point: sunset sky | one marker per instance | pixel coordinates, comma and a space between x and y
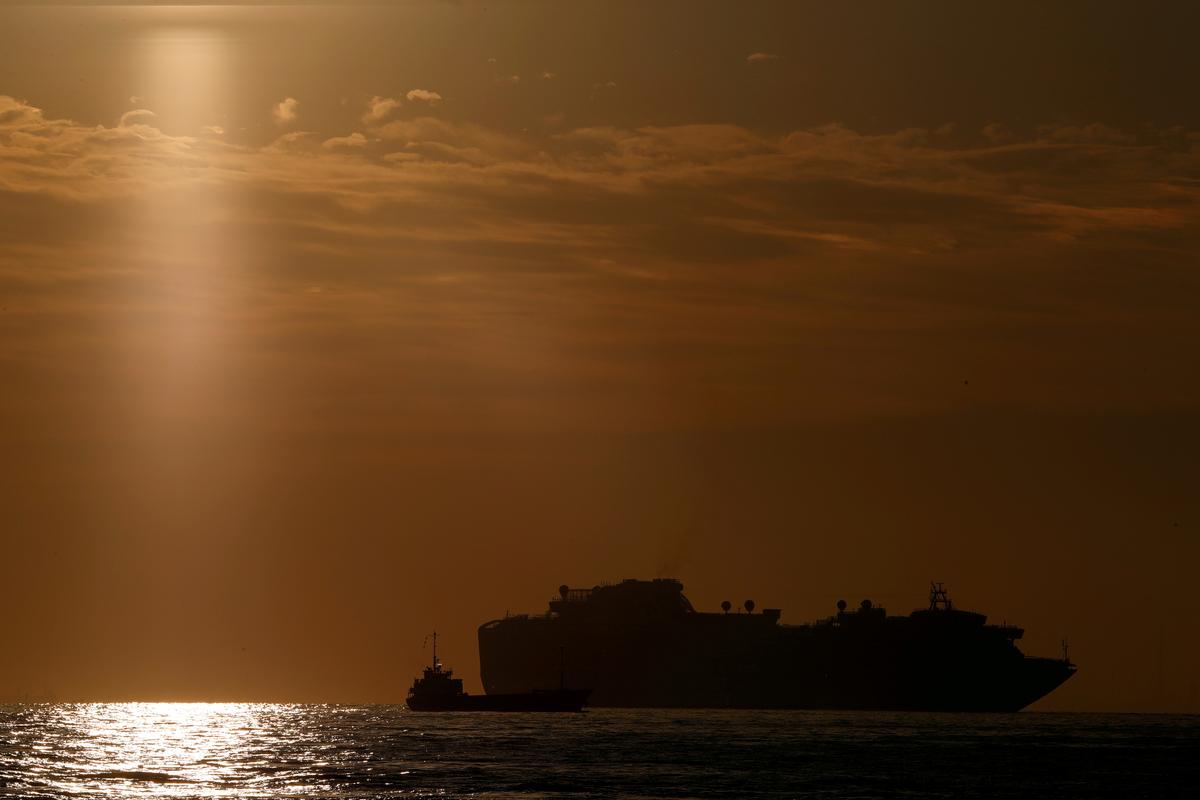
324, 325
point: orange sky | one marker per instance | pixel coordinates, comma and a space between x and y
321, 326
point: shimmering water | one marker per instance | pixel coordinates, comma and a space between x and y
252, 751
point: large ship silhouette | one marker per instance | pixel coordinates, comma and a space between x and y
641, 644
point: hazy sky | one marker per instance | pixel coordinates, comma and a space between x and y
323, 326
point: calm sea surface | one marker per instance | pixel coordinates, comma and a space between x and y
236, 750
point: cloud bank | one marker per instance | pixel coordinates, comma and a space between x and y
908, 231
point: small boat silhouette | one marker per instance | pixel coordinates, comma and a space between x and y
438, 690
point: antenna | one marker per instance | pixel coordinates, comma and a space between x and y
1066, 651
938, 598
435, 661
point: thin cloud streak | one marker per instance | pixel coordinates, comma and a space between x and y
423, 96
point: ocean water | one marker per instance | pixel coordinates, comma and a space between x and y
258, 751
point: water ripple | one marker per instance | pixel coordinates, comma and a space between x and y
166, 750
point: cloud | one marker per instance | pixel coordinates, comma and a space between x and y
135, 100
757, 58
1095, 132
510, 80
66, 160
354, 141
424, 96
215, 130
548, 75
16, 114
671, 193
297, 142
378, 108
138, 116
440, 140
284, 111
761, 242
996, 133
601, 88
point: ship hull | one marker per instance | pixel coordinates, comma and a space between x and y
565, 700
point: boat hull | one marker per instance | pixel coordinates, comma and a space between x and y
565, 700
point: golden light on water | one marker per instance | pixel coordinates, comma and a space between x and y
166, 743
173, 750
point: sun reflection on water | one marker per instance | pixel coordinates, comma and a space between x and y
168, 750
166, 743
367, 752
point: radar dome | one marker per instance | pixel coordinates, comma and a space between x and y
749, 606
841, 604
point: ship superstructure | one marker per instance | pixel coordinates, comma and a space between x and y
641, 644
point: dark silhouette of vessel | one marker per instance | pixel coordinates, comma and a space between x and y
641, 644
438, 690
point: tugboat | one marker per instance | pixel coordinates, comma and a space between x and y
438, 690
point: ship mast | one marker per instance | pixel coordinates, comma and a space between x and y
938, 598
435, 663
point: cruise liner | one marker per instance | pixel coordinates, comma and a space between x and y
640, 643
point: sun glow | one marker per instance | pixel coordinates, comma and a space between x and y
185, 74
183, 268
186, 249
